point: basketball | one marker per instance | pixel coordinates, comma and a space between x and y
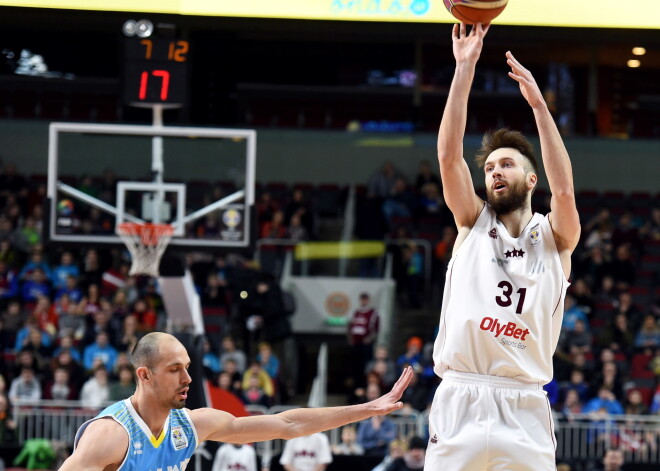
475, 11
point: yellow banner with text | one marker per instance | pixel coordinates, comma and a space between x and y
568, 13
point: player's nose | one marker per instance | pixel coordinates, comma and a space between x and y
187, 379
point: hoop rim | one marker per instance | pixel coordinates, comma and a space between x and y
131, 228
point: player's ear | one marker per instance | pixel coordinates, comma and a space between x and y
532, 179
143, 373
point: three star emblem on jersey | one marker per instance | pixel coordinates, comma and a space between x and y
514, 253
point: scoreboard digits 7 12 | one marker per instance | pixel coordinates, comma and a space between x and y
156, 71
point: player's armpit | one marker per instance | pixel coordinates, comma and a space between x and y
102, 446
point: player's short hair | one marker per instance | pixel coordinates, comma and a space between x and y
505, 137
145, 352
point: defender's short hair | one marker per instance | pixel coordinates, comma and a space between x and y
145, 352
505, 137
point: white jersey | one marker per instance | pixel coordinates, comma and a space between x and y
503, 302
235, 458
307, 453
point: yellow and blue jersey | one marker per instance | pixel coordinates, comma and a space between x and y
171, 451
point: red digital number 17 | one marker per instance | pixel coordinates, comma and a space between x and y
164, 86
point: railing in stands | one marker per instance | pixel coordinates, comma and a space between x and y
52, 420
580, 437
587, 436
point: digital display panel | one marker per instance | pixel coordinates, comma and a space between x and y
155, 70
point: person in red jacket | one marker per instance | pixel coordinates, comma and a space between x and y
362, 332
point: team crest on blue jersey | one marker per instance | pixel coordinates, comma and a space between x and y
179, 439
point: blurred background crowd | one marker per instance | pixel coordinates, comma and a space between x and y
69, 317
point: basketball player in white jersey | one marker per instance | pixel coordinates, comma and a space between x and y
505, 286
152, 431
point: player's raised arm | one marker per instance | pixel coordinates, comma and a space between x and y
104, 444
564, 216
212, 424
456, 179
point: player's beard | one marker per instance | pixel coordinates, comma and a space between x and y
171, 403
514, 199
177, 404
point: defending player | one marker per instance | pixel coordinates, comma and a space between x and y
505, 287
152, 430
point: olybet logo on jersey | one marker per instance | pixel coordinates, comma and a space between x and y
510, 329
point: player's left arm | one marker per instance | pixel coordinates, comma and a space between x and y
564, 216
213, 424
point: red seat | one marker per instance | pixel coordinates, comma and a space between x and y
640, 366
215, 319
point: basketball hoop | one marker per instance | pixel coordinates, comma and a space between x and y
146, 243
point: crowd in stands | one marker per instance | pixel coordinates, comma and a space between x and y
70, 317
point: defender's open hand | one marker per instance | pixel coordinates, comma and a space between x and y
389, 402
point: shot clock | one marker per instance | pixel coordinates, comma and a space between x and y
156, 71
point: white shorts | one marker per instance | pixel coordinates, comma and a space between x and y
489, 423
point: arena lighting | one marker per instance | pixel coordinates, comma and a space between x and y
141, 28
144, 28
130, 28
639, 51
634, 63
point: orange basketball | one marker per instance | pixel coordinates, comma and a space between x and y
475, 11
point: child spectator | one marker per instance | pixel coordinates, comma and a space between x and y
36, 285
413, 459
96, 391
648, 334
349, 444
413, 355
25, 387
253, 393
572, 403
269, 362
397, 449
635, 403
311, 452
100, 350
61, 388
124, 387
229, 351
65, 270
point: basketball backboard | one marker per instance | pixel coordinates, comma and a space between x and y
200, 180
